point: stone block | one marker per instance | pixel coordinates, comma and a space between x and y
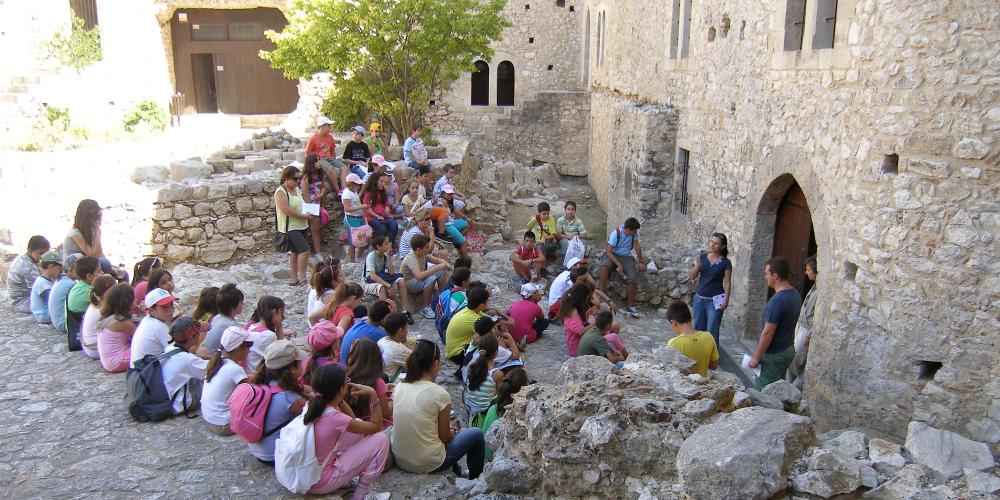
252, 186
222, 166
257, 144
245, 243
243, 205
433, 153
829, 474
969, 148
241, 169
394, 153
173, 192
909, 481
261, 202
886, 457
257, 163
274, 155
507, 475
190, 222
234, 155
218, 190
163, 214
150, 173
945, 452
199, 192
747, 454
178, 253
270, 142
228, 224
982, 482
700, 409
851, 444
218, 249
583, 368
236, 189
189, 169
195, 234
251, 223
202, 208
182, 212
221, 208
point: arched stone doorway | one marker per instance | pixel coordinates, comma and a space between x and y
783, 227
505, 84
480, 95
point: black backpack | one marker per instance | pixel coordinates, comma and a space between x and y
146, 395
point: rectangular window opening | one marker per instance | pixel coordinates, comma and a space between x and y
208, 32
850, 271
826, 24
549, 68
890, 164
795, 23
531, 39
247, 32
927, 369
675, 28
686, 41
561, 3
683, 167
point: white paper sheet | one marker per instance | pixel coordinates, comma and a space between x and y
746, 365
310, 208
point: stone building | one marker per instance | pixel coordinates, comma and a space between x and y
864, 132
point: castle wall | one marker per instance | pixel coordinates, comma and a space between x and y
907, 259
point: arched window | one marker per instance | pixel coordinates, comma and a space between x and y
505, 84
481, 84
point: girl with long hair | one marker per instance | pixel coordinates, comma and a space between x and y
364, 366
161, 278
280, 371
574, 312
267, 320
423, 438
512, 383
483, 378
355, 447
88, 327
324, 340
340, 310
228, 305
325, 279
206, 308
715, 278
140, 273
115, 328
382, 218
222, 375
85, 237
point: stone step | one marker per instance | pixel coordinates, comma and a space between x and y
15, 89
25, 80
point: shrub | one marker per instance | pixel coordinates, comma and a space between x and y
55, 128
427, 135
147, 115
344, 109
77, 49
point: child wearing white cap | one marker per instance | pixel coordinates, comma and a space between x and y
529, 320
222, 375
152, 335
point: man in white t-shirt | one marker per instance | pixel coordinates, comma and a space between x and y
184, 373
152, 335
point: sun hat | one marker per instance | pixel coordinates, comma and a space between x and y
354, 179
158, 297
448, 188
234, 336
281, 353
359, 129
323, 121
324, 334
380, 161
529, 289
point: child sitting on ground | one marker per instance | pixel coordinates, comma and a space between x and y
88, 327
512, 383
482, 378
222, 375
529, 321
609, 329
569, 226
381, 278
206, 309
528, 257
394, 346
51, 271
593, 343
699, 346
544, 226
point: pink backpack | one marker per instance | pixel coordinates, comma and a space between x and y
248, 411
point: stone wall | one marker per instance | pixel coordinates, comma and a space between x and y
907, 317
543, 44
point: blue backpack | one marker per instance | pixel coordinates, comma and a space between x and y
442, 310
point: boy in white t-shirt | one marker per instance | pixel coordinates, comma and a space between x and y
184, 373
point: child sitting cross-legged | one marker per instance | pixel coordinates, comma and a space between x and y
528, 257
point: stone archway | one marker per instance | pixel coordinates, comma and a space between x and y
783, 225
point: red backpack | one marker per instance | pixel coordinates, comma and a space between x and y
248, 411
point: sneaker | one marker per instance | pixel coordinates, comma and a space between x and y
632, 311
427, 312
408, 316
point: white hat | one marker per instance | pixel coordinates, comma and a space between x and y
234, 336
574, 261
529, 289
323, 121
158, 297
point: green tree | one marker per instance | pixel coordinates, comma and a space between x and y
78, 48
389, 55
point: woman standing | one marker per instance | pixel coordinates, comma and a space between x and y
715, 277
313, 191
803, 329
382, 218
293, 223
423, 438
85, 237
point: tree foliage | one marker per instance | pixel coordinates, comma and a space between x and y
389, 55
77, 49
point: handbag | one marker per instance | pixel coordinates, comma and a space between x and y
360, 235
324, 216
281, 242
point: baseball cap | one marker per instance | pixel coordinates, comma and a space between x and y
354, 179
359, 129
375, 127
484, 325
182, 324
51, 257
70, 261
574, 261
448, 188
323, 121
281, 353
158, 297
380, 161
529, 289
235, 336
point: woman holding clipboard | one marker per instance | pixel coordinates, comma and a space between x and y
715, 277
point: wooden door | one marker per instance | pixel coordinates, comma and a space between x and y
203, 78
794, 238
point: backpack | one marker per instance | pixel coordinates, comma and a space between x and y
295, 462
442, 310
146, 397
248, 412
618, 237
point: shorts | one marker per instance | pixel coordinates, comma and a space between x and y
628, 264
298, 241
418, 286
372, 288
331, 163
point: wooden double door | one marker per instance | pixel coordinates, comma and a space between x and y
794, 236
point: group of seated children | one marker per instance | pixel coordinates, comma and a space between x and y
547, 238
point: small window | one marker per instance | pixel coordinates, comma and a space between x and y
686, 42
527, 6
890, 164
531, 39
683, 167
561, 3
549, 68
208, 32
795, 22
480, 84
572, 9
826, 24
246, 32
850, 271
675, 28
86, 10
927, 369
